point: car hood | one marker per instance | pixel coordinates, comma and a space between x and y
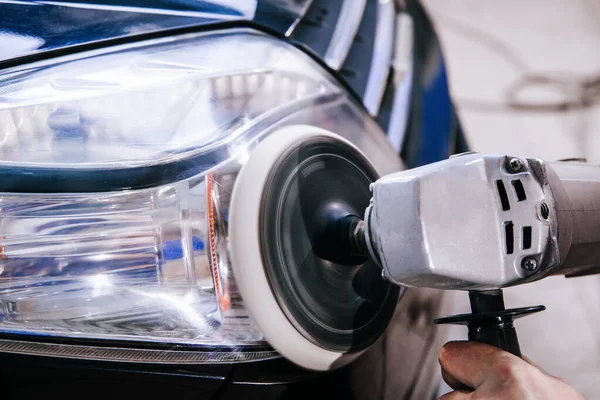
30, 27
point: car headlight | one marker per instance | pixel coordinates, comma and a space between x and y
116, 172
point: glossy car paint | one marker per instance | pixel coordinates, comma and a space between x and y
30, 28
401, 364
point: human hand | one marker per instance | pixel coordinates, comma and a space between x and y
479, 371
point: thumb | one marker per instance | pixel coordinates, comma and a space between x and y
457, 395
470, 363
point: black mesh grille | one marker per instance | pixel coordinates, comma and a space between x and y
316, 27
356, 68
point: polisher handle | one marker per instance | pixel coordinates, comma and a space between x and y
501, 334
490, 322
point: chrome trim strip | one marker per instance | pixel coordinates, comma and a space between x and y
382, 56
301, 14
345, 30
402, 64
154, 356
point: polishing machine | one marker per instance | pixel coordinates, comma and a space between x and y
333, 246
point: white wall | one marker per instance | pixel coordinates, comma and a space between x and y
489, 46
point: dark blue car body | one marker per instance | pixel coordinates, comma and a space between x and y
402, 363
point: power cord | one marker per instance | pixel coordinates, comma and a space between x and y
576, 92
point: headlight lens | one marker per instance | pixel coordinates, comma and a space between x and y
116, 171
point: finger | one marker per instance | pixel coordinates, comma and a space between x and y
533, 363
453, 382
471, 362
457, 395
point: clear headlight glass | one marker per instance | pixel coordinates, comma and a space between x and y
116, 170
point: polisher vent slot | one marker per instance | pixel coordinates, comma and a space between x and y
519, 190
503, 195
526, 238
509, 236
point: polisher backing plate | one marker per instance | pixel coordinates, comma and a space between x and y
317, 313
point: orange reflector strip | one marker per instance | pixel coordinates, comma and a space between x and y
223, 296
